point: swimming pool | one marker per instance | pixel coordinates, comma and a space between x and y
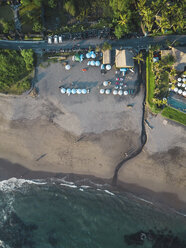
178, 104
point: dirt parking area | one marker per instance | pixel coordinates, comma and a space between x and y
93, 112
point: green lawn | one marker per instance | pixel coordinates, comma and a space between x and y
150, 85
174, 115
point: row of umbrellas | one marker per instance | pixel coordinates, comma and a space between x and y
114, 92
181, 85
182, 79
94, 63
180, 91
74, 91
91, 55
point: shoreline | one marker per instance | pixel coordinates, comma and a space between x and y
162, 199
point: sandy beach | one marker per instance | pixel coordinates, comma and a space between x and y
89, 135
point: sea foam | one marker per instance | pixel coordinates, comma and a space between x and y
14, 183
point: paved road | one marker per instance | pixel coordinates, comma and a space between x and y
137, 43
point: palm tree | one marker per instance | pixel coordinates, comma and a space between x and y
123, 20
139, 58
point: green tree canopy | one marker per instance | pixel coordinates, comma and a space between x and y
12, 69
28, 56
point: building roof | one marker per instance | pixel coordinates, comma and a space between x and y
124, 58
180, 55
106, 57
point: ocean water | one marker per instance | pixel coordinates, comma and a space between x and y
60, 214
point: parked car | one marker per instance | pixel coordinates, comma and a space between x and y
60, 39
49, 40
55, 39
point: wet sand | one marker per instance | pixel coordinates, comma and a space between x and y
162, 199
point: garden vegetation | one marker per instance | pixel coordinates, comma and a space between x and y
15, 69
124, 16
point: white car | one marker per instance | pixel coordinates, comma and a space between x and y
49, 40
60, 39
55, 39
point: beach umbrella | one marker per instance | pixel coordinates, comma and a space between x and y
120, 92
183, 85
179, 84
180, 91
175, 89
125, 92
84, 91
179, 79
184, 93
108, 67
93, 55
98, 63
74, 91
115, 92
102, 91
92, 63
88, 63
63, 90
184, 79
88, 55
79, 91
68, 91
107, 91
105, 83
67, 67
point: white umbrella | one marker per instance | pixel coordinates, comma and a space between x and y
92, 63
107, 91
120, 92
185, 88
184, 79
74, 91
179, 84
180, 91
184, 93
88, 63
108, 67
175, 89
84, 91
179, 79
79, 91
102, 91
105, 83
115, 92
63, 90
67, 67
69, 91
98, 63
88, 55
125, 92
183, 85
93, 55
